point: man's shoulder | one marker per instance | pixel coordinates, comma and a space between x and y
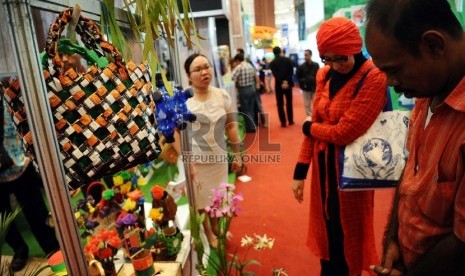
302, 66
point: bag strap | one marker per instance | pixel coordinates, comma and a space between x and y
360, 82
388, 105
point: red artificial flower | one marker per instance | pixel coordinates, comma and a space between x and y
104, 253
114, 242
103, 235
157, 192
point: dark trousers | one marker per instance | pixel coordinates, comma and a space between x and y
259, 114
27, 190
280, 94
337, 264
247, 105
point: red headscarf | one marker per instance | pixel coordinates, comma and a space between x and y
339, 35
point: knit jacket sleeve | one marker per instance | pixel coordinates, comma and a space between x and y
306, 149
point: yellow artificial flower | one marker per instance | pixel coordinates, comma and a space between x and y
156, 214
141, 181
129, 205
118, 180
126, 187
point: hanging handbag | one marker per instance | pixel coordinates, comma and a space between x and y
377, 158
103, 117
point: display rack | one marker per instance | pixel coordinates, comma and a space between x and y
22, 59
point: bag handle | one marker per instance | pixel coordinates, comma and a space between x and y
90, 36
388, 105
360, 82
65, 45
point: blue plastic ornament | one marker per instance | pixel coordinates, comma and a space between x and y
171, 112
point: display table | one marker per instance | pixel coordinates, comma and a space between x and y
166, 268
163, 269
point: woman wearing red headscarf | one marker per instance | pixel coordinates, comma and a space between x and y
341, 223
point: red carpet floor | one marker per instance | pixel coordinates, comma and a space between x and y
269, 206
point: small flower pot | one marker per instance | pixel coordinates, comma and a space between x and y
108, 266
142, 262
159, 252
173, 239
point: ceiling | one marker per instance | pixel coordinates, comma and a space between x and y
284, 12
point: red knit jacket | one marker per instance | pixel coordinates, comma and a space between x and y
340, 121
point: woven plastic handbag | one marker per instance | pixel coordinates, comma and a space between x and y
103, 117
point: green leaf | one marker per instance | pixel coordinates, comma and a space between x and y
251, 262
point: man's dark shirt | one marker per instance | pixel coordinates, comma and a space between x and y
282, 70
306, 76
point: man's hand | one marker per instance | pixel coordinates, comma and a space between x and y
381, 271
390, 259
298, 189
285, 85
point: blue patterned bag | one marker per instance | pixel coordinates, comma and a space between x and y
377, 158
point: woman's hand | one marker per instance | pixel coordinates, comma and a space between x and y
236, 165
298, 189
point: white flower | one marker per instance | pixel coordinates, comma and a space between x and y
246, 241
270, 243
263, 242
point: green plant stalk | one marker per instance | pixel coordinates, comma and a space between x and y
158, 19
223, 227
196, 221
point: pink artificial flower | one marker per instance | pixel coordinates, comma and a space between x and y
227, 186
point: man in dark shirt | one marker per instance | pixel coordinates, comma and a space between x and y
282, 70
306, 76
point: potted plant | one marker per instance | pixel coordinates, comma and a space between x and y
6, 219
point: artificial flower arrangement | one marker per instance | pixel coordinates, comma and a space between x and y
164, 207
121, 210
103, 246
165, 241
92, 215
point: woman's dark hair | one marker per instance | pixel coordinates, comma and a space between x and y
407, 20
190, 59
